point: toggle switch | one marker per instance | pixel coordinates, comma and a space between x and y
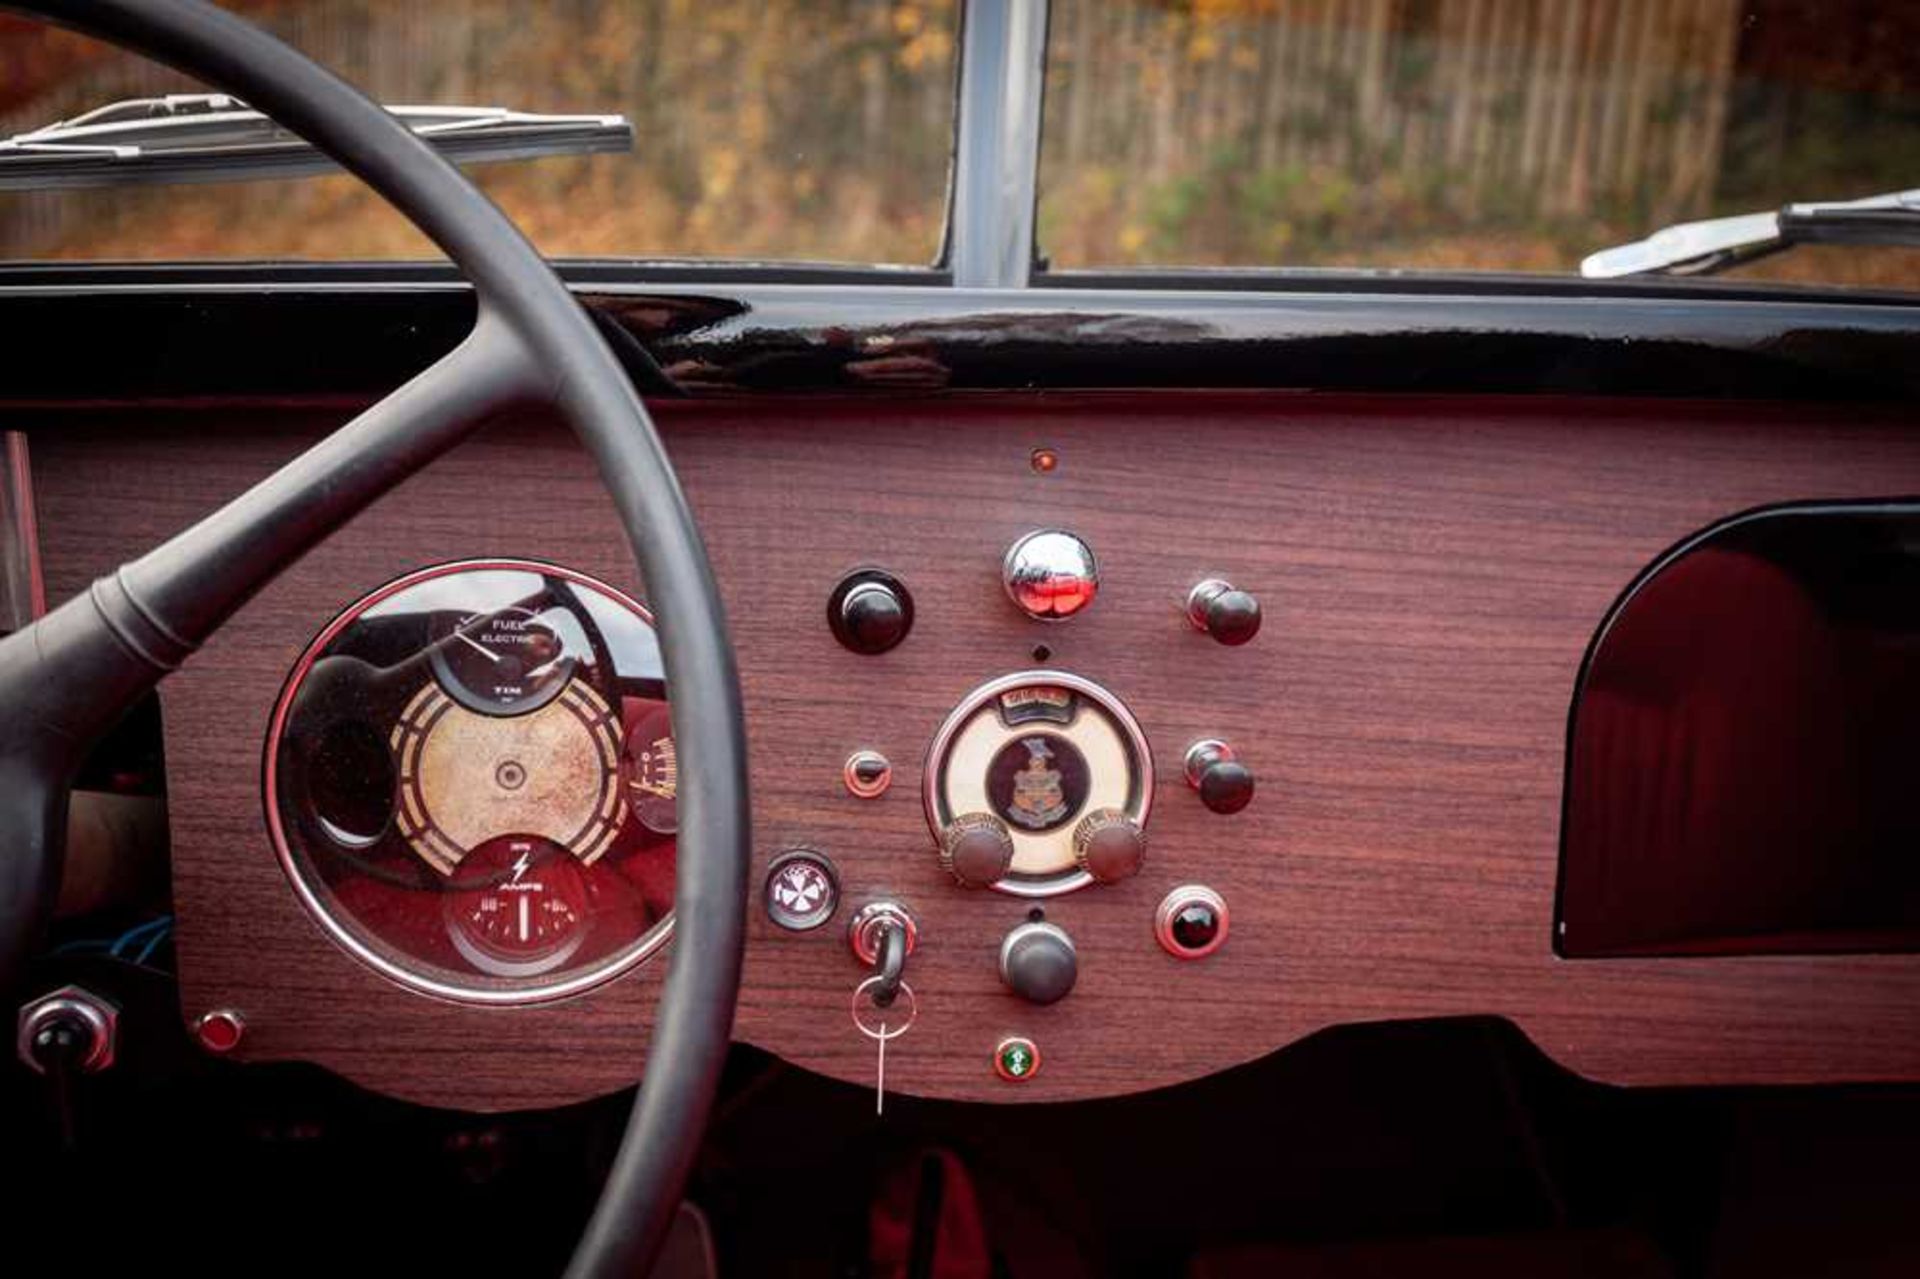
1225, 784
1231, 616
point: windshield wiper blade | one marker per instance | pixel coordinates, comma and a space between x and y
1702, 248
213, 137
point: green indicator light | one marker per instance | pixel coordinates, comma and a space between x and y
1016, 1059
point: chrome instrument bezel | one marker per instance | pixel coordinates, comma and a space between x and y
322, 912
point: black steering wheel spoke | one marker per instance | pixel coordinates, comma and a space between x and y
194, 582
67, 679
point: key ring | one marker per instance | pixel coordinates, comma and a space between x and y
884, 1033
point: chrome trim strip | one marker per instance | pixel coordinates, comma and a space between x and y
996, 153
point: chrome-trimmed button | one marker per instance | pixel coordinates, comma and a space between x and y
1050, 574
1172, 933
802, 889
1219, 609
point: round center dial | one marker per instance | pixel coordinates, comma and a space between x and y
1034, 758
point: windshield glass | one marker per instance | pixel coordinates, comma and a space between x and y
1483, 135
763, 130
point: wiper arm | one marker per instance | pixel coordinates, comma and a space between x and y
1702, 248
212, 137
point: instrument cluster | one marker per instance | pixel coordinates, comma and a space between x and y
470, 781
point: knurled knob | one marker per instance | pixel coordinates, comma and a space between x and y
976, 849
1109, 845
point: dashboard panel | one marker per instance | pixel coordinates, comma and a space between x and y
1430, 572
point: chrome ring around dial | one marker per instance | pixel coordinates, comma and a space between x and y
1038, 749
463, 843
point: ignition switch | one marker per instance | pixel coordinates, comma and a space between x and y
882, 935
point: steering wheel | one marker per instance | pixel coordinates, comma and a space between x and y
67, 679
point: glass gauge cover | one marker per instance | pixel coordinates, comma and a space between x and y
470, 781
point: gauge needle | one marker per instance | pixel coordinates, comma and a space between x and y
478, 647
523, 917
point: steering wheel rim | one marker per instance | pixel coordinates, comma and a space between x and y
68, 678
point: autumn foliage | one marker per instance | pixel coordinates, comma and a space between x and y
1464, 134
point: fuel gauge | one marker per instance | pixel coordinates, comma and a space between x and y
506, 662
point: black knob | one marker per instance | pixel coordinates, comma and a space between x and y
1230, 616
977, 850
1226, 786
1224, 783
1109, 845
60, 1043
1038, 964
870, 611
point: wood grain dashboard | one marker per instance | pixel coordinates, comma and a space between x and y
1432, 570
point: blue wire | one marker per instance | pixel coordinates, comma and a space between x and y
147, 937
153, 944
135, 935
129, 938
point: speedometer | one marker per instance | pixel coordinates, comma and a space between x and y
470, 781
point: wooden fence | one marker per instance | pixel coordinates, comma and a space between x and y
1543, 106
779, 127
795, 127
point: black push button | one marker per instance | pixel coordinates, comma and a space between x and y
870, 611
1226, 786
1037, 961
1230, 616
